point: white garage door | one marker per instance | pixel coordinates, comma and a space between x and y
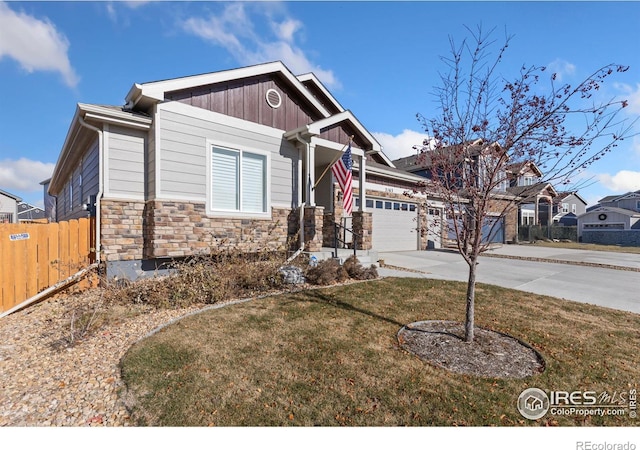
394, 225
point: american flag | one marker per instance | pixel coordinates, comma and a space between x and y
342, 171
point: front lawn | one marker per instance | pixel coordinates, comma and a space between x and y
330, 357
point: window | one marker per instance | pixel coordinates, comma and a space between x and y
387, 205
573, 208
81, 196
638, 205
71, 194
378, 204
238, 181
565, 207
369, 203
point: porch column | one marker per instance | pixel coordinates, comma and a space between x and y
535, 212
361, 183
311, 174
550, 219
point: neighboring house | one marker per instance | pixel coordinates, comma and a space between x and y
500, 230
230, 159
536, 196
9, 207
567, 206
615, 220
27, 212
49, 202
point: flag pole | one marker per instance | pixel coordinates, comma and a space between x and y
334, 161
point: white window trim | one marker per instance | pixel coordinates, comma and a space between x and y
237, 214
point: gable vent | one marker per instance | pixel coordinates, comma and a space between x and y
273, 98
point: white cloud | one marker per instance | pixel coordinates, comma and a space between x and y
621, 182
561, 68
234, 30
632, 95
35, 44
285, 30
401, 145
23, 174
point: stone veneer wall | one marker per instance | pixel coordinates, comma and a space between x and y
122, 230
178, 229
132, 230
313, 228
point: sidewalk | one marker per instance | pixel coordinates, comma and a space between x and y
611, 260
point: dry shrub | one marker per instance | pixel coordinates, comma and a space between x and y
204, 280
330, 271
357, 271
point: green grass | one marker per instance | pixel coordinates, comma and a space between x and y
330, 357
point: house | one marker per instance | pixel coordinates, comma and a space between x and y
615, 220
9, 207
27, 212
537, 197
567, 206
230, 159
500, 225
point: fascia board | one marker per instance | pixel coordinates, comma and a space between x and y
97, 112
312, 77
64, 153
391, 174
315, 127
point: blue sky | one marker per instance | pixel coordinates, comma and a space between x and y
379, 59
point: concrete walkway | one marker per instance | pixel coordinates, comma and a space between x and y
532, 269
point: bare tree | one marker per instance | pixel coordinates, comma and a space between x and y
486, 123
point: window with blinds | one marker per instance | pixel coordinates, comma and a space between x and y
238, 181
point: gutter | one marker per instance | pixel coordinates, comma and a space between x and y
100, 181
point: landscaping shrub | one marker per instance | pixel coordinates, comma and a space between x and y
330, 271
357, 271
204, 280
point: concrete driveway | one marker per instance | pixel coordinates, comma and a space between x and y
612, 288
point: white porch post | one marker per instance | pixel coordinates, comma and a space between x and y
535, 212
361, 183
311, 174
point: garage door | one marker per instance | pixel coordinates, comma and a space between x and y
493, 230
394, 225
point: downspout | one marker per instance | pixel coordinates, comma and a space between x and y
100, 181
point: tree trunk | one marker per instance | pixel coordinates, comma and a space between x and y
469, 323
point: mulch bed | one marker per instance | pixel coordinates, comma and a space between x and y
491, 354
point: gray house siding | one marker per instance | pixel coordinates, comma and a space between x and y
66, 209
183, 159
126, 162
8, 209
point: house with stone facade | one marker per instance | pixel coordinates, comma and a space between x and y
230, 159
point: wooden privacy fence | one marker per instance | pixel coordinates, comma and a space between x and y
34, 257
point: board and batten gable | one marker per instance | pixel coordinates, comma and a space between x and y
182, 141
246, 99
